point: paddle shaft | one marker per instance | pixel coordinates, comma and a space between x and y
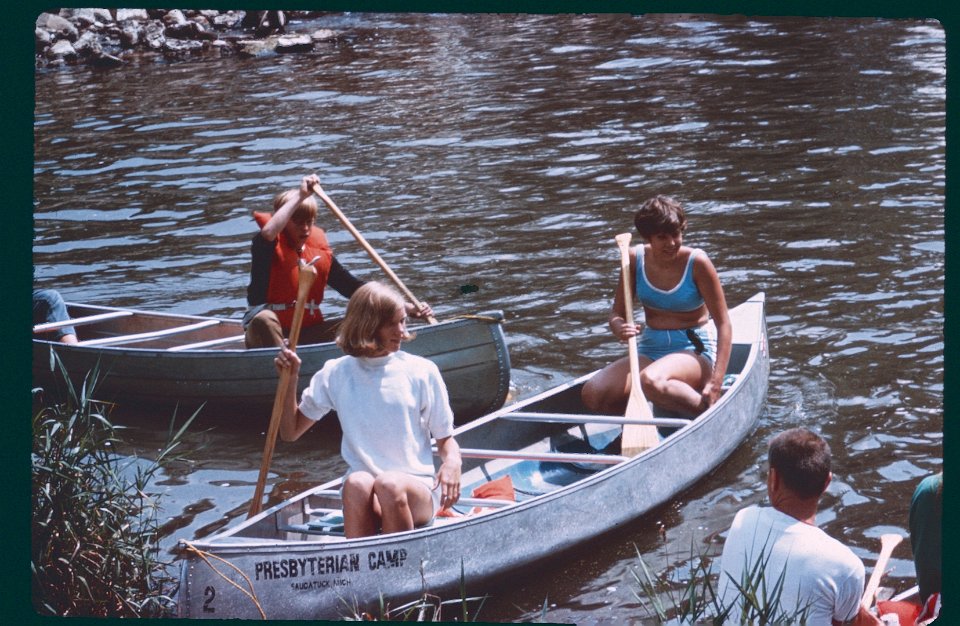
623, 241
635, 437
887, 543
366, 246
306, 277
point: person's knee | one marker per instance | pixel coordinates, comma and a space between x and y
591, 396
653, 382
391, 490
264, 331
358, 485
358, 480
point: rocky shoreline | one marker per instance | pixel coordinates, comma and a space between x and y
111, 37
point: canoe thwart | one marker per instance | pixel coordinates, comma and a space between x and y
569, 418
333, 493
157, 334
80, 321
550, 457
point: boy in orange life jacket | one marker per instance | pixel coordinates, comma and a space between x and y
286, 236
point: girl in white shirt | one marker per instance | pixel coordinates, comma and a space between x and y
390, 403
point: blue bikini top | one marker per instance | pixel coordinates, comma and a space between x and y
683, 297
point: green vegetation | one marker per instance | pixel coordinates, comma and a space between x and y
94, 549
695, 601
427, 608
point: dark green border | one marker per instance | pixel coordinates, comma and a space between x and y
17, 67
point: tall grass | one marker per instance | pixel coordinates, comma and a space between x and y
94, 543
427, 608
695, 600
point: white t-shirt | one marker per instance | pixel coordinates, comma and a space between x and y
818, 569
388, 407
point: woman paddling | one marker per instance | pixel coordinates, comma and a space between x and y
685, 344
389, 403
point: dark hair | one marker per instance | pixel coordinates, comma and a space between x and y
802, 460
370, 307
658, 215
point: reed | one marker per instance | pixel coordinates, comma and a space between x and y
94, 529
694, 600
427, 608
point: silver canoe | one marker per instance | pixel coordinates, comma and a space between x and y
152, 360
292, 562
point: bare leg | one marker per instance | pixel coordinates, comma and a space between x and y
674, 382
361, 512
607, 392
405, 502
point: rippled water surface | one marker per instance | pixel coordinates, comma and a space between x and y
506, 152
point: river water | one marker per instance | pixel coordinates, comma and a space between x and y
505, 152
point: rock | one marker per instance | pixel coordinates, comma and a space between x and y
63, 49
175, 18
230, 19
294, 43
42, 39
221, 46
256, 47
136, 15
188, 30
88, 45
153, 35
59, 26
179, 47
82, 18
131, 34
105, 16
324, 34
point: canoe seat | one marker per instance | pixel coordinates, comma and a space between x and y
487, 496
327, 524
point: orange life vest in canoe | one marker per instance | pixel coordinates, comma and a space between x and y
284, 275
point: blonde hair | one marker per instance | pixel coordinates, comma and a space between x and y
307, 209
370, 307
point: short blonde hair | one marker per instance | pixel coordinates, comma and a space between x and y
307, 209
370, 307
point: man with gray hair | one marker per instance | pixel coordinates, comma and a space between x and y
777, 553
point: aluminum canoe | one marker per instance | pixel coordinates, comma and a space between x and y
569, 485
152, 360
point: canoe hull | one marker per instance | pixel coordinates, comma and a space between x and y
311, 579
470, 352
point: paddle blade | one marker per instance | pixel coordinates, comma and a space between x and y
636, 437
888, 542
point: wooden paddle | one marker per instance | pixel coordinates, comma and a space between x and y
305, 279
636, 437
887, 543
366, 246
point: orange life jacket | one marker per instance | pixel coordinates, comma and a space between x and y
284, 275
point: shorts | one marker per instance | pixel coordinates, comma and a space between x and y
655, 344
